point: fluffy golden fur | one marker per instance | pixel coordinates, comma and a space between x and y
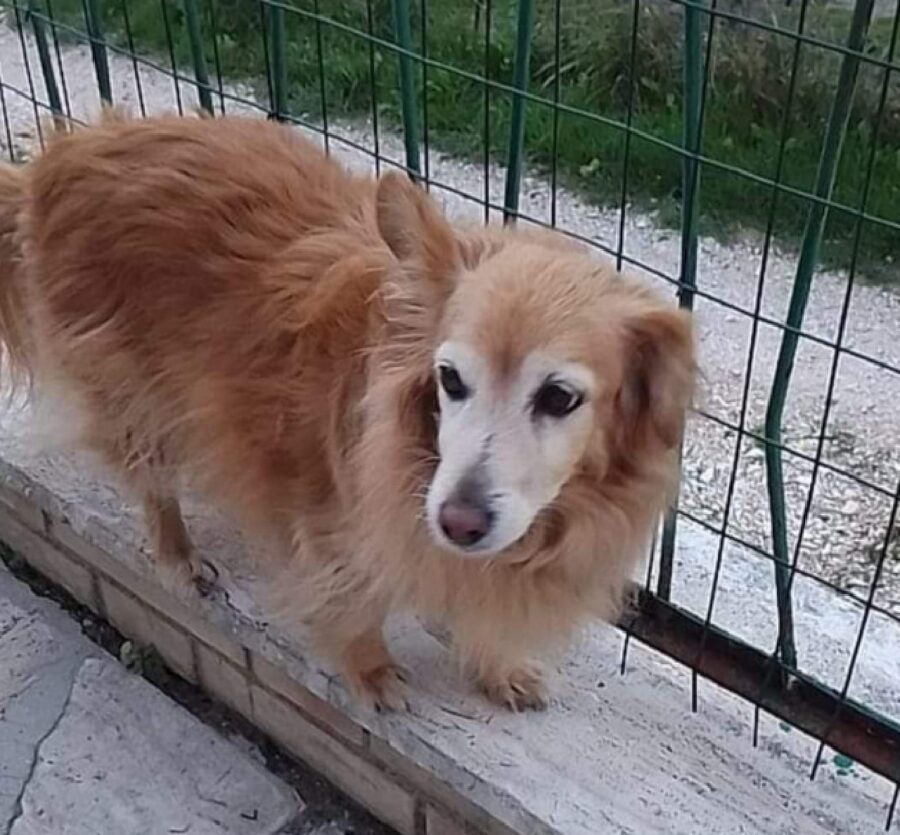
232, 310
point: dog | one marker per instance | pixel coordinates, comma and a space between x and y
478, 425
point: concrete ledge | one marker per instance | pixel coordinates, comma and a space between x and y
612, 754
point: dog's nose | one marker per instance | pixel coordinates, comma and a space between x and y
463, 523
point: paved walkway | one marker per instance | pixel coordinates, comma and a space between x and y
87, 748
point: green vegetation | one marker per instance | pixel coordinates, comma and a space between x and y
748, 88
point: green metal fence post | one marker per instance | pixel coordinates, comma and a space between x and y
690, 174
323, 86
195, 38
690, 186
32, 96
809, 253
98, 49
43, 49
277, 62
517, 118
410, 108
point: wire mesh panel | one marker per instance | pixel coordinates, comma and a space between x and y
744, 154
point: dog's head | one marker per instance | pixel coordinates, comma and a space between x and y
547, 367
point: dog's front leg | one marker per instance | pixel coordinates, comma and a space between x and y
351, 637
518, 687
371, 673
324, 600
503, 675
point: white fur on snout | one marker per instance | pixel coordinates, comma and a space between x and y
520, 463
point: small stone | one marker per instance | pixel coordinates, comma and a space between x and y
127, 653
850, 507
842, 761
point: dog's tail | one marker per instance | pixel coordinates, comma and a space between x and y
14, 331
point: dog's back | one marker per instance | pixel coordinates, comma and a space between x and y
199, 288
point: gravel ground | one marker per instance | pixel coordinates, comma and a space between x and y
847, 521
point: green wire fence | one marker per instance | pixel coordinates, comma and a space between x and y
778, 120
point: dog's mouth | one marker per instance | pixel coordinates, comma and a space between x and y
472, 552
517, 552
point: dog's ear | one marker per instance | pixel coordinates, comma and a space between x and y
429, 258
415, 231
659, 375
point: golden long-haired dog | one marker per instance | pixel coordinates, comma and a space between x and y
477, 425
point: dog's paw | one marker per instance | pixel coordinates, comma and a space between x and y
204, 577
382, 688
522, 688
190, 578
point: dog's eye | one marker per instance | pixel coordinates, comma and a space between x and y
452, 383
554, 400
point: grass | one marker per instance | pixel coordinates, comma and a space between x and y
747, 93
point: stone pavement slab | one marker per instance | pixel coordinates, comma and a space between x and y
41, 650
87, 748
